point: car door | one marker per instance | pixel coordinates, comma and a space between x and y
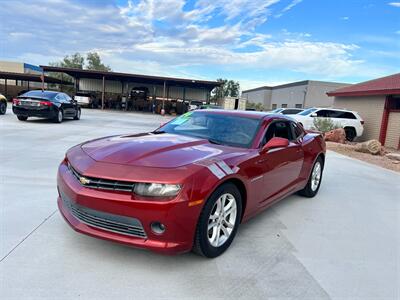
282, 166
67, 105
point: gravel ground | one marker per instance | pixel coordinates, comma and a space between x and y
378, 160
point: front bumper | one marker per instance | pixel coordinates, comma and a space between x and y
179, 219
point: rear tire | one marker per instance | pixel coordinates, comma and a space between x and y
314, 181
3, 108
350, 133
59, 117
218, 221
22, 118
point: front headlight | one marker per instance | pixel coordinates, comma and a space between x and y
156, 189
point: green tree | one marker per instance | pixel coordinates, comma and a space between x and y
75, 61
93, 62
228, 88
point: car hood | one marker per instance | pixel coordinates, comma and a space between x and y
156, 150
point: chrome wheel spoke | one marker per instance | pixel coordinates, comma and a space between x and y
222, 220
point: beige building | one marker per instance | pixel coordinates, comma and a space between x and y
302, 94
378, 103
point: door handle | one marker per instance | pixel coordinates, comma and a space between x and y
262, 160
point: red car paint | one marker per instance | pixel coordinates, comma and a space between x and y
262, 177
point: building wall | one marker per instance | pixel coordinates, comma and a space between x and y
262, 96
370, 109
305, 93
11, 66
393, 130
316, 93
289, 96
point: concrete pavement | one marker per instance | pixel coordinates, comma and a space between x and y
342, 244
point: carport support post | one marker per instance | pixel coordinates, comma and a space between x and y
165, 86
102, 92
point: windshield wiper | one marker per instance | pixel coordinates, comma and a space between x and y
216, 142
158, 132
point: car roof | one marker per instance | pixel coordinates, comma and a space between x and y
246, 114
333, 108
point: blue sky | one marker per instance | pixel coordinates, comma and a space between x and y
255, 42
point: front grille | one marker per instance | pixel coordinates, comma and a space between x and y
99, 183
103, 220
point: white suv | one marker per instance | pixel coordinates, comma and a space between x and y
349, 120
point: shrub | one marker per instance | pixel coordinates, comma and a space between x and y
325, 124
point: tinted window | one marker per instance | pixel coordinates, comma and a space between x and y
298, 105
218, 128
297, 131
322, 113
68, 98
307, 111
277, 129
284, 105
342, 114
40, 94
290, 111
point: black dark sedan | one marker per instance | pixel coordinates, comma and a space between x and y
46, 104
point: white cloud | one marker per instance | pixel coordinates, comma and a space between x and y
395, 4
291, 5
163, 37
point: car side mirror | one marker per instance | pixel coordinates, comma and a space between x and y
314, 115
274, 143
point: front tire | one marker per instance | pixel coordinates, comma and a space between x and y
218, 221
59, 117
22, 118
3, 108
77, 114
350, 133
314, 181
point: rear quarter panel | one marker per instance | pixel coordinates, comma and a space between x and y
313, 146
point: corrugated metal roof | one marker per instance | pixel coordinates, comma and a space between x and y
31, 77
79, 73
382, 86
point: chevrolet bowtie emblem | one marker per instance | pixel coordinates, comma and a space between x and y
84, 180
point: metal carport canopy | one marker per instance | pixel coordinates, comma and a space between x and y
126, 77
32, 77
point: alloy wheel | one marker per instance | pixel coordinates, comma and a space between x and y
222, 220
316, 176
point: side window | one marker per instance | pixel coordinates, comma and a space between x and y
290, 111
334, 114
60, 98
297, 131
277, 129
349, 115
322, 113
68, 98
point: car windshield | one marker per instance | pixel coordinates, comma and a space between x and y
307, 112
221, 129
278, 110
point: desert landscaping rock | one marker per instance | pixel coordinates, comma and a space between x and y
394, 156
337, 136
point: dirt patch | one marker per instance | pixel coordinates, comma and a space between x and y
348, 150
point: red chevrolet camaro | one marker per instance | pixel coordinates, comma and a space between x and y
190, 183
